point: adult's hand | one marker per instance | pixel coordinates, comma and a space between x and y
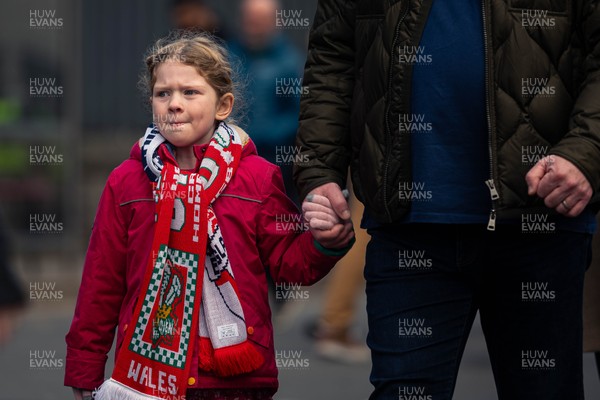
326, 227
335, 238
341, 232
561, 184
334, 193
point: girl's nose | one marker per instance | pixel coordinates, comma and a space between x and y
175, 102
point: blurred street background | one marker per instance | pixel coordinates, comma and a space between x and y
70, 110
43, 327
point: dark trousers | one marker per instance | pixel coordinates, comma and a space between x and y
425, 283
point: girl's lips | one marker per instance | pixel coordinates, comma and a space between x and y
175, 125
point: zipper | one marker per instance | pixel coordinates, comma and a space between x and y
492, 221
387, 114
495, 196
490, 182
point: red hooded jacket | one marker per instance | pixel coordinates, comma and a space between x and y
250, 213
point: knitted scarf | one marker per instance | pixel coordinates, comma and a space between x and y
175, 307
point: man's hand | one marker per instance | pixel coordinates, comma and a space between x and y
561, 184
324, 224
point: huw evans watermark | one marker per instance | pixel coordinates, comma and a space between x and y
414, 328
530, 155
413, 260
537, 292
290, 222
290, 292
45, 87
45, 223
414, 191
414, 123
537, 223
163, 58
288, 155
414, 55
413, 393
45, 359
537, 360
539, 19
44, 19
291, 359
291, 19
44, 291
166, 388
532, 87
44, 155
290, 87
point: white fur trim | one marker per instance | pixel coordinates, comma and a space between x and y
113, 390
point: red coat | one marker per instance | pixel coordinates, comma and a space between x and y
250, 213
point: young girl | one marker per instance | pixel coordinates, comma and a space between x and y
185, 232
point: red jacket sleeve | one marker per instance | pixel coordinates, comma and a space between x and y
289, 252
100, 296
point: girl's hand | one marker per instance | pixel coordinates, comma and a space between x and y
324, 224
82, 394
318, 212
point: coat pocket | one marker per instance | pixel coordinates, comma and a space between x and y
258, 330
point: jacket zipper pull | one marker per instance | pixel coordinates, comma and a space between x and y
495, 196
492, 221
492, 187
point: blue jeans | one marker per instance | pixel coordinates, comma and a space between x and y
425, 283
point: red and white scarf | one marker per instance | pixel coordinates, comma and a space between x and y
175, 306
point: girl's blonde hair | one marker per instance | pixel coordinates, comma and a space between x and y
199, 50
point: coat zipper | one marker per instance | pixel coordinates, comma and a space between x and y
491, 226
387, 114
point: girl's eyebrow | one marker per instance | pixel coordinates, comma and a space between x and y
185, 85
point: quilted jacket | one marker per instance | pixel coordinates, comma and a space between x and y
542, 89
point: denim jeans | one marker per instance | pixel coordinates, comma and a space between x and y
426, 282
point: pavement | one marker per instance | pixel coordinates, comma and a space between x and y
32, 363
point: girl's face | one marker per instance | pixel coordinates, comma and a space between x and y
184, 106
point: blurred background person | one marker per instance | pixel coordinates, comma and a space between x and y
197, 16
345, 289
591, 303
11, 294
266, 58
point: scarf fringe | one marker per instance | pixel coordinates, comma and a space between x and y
206, 355
113, 390
237, 359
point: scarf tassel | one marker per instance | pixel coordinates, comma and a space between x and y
237, 359
113, 390
206, 356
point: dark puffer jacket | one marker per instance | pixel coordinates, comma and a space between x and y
542, 89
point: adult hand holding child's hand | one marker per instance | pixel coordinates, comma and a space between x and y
326, 227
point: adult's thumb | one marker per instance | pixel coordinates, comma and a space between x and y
338, 202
